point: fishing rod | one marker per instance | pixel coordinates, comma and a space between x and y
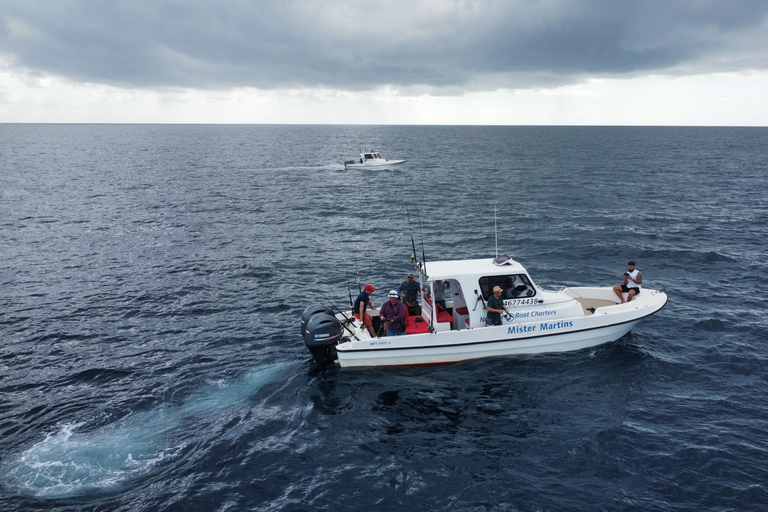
347, 321
380, 330
423, 256
426, 276
414, 259
334, 306
357, 271
349, 289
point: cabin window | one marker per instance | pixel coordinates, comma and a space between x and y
368, 156
513, 286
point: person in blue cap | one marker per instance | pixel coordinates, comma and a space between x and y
409, 292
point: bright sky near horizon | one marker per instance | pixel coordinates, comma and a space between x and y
513, 62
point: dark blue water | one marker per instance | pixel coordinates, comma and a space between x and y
152, 279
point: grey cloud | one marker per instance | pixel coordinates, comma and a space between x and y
451, 45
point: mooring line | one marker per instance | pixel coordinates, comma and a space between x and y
525, 373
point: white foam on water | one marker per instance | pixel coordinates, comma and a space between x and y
69, 462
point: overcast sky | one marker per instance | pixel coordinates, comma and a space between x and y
613, 62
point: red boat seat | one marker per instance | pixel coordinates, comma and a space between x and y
442, 315
415, 324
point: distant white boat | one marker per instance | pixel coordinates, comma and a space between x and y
369, 160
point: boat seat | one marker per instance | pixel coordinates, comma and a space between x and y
461, 316
443, 316
415, 324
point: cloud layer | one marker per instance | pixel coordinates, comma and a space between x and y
444, 47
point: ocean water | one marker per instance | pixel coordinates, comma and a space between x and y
152, 279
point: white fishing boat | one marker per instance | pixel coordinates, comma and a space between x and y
538, 321
370, 159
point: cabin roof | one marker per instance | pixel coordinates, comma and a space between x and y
482, 267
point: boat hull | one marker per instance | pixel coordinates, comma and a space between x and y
476, 350
514, 338
374, 164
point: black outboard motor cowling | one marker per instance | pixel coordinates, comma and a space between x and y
323, 332
311, 311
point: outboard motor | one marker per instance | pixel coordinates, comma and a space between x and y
323, 332
311, 311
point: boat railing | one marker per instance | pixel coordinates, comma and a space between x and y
551, 288
570, 292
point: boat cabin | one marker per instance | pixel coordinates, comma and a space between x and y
469, 285
364, 157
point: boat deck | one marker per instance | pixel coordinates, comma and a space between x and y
590, 305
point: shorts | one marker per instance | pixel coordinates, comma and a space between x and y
490, 321
368, 322
626, 288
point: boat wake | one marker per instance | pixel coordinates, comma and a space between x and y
327, 167
69, 462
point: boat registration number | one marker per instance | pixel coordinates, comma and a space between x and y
521, 302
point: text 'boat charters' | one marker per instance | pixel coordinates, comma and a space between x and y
536, 320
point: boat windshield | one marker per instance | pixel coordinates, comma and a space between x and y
513, 286
368, 156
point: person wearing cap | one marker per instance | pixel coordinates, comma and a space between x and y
495, 307
409, 292
392, 313
364, 300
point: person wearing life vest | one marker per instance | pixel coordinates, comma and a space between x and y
633, 279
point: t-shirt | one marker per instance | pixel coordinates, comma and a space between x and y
411, 290
439, 289
494, 303
363, 297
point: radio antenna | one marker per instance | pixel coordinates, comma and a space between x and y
495, 231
